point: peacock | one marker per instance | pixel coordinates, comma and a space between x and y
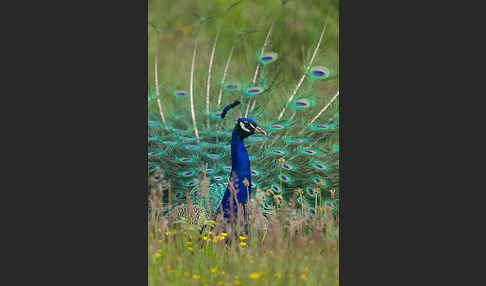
262, 139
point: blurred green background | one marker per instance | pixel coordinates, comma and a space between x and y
298, 26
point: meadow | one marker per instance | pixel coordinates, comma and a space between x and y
300, 246
295, 250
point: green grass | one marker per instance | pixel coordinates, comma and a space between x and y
292, 252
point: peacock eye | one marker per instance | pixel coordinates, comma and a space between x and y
267, 58
232, 87
319, 72
302, 103
180, 94
252, 91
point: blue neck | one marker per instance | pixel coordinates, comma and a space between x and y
239, 158
241, 169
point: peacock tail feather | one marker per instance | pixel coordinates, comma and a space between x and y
190, 130
214, 197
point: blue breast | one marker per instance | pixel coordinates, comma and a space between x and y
241, 171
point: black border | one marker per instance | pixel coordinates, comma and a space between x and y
77, 176
75, 193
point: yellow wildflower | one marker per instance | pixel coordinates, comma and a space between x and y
190, 248
224, 234
242, 237
255, 276
214, 269
197, 277
205, 238
243, 243
220, 283
303, 276
222, 272
216, 239
278, 275
237, 282
167, 233
158, 255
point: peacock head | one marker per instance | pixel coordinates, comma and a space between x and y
246, 126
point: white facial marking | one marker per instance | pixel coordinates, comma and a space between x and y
242, 125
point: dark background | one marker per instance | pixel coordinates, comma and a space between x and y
74, 149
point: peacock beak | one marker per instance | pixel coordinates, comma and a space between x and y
260, 130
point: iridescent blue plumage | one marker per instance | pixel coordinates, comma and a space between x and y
240, 186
